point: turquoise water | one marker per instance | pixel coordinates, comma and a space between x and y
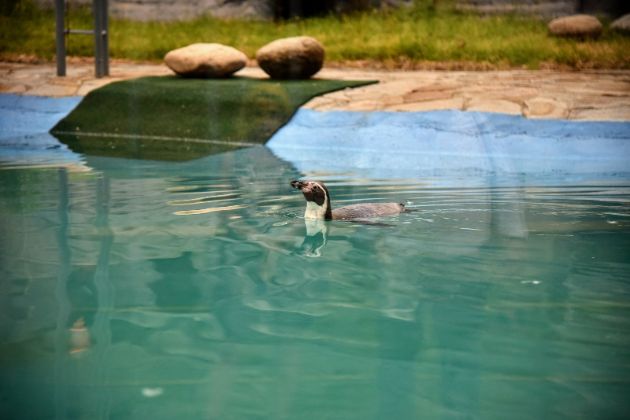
140, 289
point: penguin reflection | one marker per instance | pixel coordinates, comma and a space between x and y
315, 238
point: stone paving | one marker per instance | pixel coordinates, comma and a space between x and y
586, 95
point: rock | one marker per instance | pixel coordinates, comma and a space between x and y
500, 106
452, 103
205, 60
622, 24
545, 108
297, 57
577, 26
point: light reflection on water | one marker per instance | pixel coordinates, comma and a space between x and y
164, 290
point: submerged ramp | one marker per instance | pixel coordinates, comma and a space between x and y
454, 145
175, 118
24, 137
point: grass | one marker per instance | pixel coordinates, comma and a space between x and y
420, 36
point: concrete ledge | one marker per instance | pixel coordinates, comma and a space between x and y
455, 146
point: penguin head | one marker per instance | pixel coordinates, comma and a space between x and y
317, 199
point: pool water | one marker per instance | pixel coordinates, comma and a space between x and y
143, 289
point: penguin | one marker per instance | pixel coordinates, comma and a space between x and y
318, 205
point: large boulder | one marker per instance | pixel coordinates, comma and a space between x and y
576, 26
297, 57
205, 60
622, 24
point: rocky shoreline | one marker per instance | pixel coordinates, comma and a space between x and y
595, 95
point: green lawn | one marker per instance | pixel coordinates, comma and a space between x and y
419, 36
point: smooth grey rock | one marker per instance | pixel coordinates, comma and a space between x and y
205, 60
576, 26
297, 57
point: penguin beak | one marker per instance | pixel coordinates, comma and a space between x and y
297, 184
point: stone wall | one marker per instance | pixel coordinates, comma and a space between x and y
146, 10
542, 8
547, 8
149, 10
187, 9
270, 9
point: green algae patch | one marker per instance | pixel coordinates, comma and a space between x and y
174, 118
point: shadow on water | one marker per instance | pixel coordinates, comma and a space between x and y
139, 147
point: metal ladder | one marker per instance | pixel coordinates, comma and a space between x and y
100, 32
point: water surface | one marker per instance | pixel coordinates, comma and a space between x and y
142, 289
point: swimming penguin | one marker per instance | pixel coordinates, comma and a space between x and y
318, 205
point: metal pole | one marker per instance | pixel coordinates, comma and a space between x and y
101, 55
105, 18
98, 48
60, 36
